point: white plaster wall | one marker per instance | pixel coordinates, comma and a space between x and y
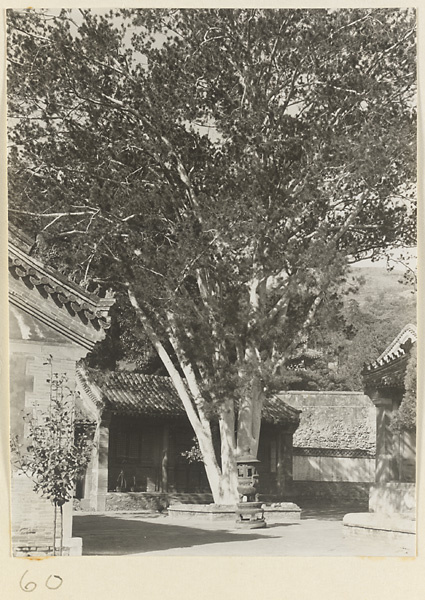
330, 468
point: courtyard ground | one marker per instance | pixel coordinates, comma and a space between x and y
319, 533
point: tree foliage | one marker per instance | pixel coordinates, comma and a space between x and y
404, 419
219, 168
354, 332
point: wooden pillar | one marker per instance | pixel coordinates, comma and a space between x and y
164, 462
91, 478
288, 460
103, 455
284, 462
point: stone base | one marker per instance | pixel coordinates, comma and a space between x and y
71, 547
75, 546
392, 497
209, 512
284, 512
255, 524
250, 515
400, 527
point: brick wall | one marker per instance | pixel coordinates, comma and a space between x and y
32, 516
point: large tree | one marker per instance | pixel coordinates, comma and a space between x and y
220, 168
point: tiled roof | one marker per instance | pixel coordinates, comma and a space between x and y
51, 284
277, 410
133, 393
398, 348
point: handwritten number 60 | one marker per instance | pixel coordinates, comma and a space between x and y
50, 583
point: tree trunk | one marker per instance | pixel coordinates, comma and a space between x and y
197, 419
213, 471
249, 419
61, 530
223, 482
54, 530
229, 477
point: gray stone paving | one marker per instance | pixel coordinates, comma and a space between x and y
317, 534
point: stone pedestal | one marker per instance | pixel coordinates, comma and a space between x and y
103, 456
284, 512
393, 497
250, 515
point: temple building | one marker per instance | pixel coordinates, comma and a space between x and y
144, 440
53, 323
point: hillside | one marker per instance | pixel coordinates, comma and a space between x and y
382, 288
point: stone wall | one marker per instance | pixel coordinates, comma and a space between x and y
392, 497
334, 443
334, 448
334, 420
329, 493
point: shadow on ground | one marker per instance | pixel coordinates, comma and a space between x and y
103, 535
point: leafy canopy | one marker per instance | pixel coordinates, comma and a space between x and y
223, 164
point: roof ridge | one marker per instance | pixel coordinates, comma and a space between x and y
134, 372
132, 375
90, 387
390, 348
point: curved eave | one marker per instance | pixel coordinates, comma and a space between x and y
49, 284
396, 365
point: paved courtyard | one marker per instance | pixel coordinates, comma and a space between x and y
319, 533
